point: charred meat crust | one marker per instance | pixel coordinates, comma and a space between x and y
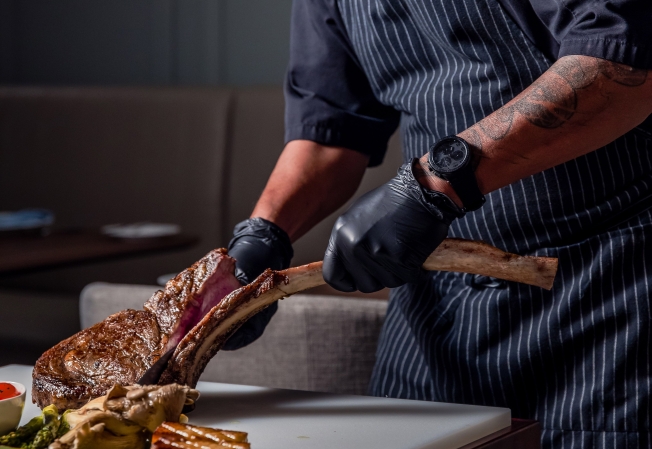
116, 350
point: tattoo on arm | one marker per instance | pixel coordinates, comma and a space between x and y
551, 101
498, 124
547, 105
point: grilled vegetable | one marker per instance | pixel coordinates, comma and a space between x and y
96, 436
124, 418
64, 425
171, 435
48, 432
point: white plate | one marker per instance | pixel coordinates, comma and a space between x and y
141, 230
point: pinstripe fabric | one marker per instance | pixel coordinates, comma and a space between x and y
576, 358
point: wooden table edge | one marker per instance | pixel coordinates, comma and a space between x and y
124, 249
518, 426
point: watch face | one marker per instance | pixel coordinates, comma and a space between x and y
449, 155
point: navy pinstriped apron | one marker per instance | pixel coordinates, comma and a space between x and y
576, 358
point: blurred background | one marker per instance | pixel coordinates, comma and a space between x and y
131, 111
144, 42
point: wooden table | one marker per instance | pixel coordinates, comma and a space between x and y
522, 434
20, 254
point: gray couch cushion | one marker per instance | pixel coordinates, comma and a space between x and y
314, 342
100, 299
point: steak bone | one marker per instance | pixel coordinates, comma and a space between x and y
203, 341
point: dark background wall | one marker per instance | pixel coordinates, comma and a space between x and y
143, 42
123, 43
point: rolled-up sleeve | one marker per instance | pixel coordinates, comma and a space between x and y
617, 30
328, 98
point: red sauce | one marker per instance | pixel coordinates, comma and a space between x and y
8, 391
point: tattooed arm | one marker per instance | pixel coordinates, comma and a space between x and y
577, 106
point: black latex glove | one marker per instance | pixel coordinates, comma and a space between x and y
387, 234
257, 244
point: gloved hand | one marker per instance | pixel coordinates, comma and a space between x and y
257, 244
387, 234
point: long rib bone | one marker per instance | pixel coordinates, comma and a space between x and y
469, 256
207, 337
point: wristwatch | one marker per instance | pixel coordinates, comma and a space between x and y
450, 159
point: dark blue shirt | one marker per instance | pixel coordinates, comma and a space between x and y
329, 99
577, 357
615, 30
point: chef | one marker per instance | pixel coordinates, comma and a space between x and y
524, 124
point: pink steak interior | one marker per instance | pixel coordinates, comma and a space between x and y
215, 288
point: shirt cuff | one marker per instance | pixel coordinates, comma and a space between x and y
369, 142
615, 50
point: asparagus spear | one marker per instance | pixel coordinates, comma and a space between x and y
48, 432
64, 425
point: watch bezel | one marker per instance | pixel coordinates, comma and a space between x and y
443, 171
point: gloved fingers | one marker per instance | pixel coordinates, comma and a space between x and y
365, 281
356, 273
384, 237
335, 272
395, 273
391, 280
252, 256
339, 276
241, 276
379, 264
258, 244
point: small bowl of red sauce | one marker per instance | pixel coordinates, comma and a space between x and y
12, 401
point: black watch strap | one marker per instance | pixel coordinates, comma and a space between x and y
469, 192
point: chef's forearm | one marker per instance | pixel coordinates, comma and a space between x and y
309, 182
577, 106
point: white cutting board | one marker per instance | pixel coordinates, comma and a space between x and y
287, 419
